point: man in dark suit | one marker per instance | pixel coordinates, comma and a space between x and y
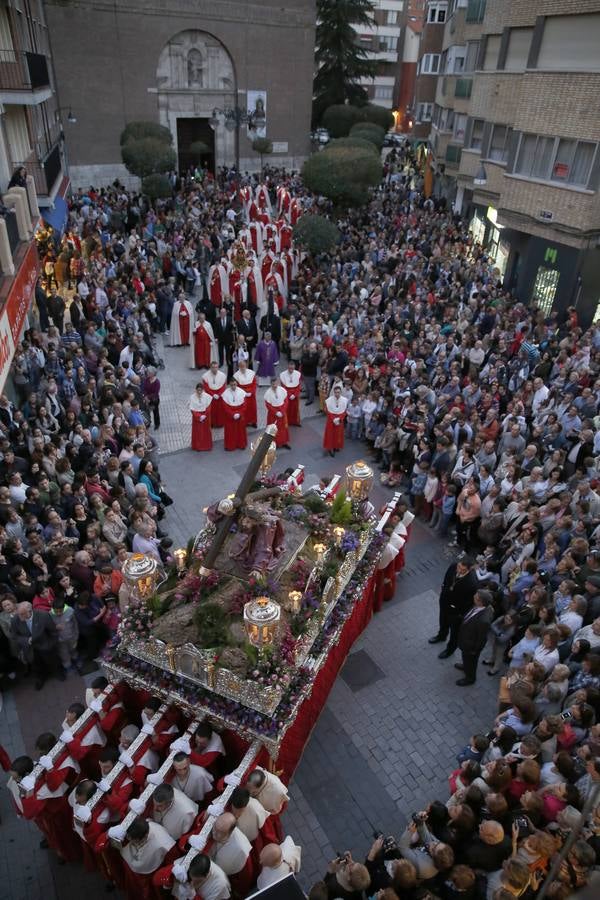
247, 327
223, 329
36, 636
456, 597
472, 635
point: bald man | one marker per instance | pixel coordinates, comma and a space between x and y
489, 848
278, 861
231, 852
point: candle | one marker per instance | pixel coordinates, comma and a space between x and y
295, 600
180, 558
320, 552
338, 534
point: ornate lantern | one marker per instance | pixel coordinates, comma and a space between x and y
338, 535
320, 550
141, 574
359, 479
180, 557
261, 620
295, 598
269, 457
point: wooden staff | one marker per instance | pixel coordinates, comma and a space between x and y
148, 791
39, 770
181, 866
388, 512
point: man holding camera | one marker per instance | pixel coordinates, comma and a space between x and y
456, 597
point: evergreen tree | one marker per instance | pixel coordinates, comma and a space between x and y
341, 61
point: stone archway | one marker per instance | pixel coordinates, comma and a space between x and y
194, 75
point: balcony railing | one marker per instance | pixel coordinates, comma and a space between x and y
23, 71
44, 171
12, 230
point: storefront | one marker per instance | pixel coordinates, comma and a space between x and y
489, 233
13, 317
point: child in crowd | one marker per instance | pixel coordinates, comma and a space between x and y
417, 487
475, 749
523, 650
448, 507
354, 419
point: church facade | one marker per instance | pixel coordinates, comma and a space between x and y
175, 62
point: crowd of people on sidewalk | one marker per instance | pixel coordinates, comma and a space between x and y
482, 407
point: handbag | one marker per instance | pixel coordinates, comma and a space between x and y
164, 498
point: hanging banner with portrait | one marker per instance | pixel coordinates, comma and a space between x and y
257, 114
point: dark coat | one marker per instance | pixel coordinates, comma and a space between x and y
472, 634
44, 636
457, 593
224, 331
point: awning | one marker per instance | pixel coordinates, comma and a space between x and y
56, 217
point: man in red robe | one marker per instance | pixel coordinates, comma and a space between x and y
276, 401
234, 400
335, 410
291, 380
182, 322
204, 346
215, 383
200, 408
246, 380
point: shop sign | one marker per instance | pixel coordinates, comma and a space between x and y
14, 314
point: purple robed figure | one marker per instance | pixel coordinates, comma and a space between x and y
266, 358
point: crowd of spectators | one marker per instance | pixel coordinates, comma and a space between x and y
482, 407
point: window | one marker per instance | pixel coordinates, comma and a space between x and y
7, 50
459, 61
499, 140
392, 17
471, 56
453, 153
460, 123
424, 112
519, 42
570, 43
475, 11
476, 134
492, 48
430, 63
556, 159
388, 43
383, 92
436, 13
573, 162
544, 288
463, 87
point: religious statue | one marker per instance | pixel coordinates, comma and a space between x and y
259, 540
195, 69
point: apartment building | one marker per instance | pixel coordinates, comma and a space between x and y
412, 27
383, 41
515, 140
30, 136
428, 64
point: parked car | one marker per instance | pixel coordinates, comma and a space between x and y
320, 136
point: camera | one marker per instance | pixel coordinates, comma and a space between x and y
377, 835
566, 715
418, 817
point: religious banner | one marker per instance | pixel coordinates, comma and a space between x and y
14, 314
257, 114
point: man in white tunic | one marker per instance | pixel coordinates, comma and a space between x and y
268, 789
173, 810
278, 861
250, 814
147, 845
194, 781
206, 880
231, 847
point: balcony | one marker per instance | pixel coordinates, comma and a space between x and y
24, 72
45, 169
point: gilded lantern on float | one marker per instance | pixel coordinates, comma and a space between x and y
261, 620
141, 574
295, 598
269, 457
359, 480
338, 535
180, 557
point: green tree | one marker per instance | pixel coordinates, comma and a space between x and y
134, 131
156, 186
341, 62
369, 132
316, 233
148, 156
262, 146
359, 143
339, 119
343, 174
379, 115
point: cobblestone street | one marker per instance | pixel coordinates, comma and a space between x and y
388, 736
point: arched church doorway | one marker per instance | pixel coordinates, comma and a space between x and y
195, 75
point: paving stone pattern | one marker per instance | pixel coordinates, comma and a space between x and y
387, 738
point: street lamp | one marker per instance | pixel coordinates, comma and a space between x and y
71, 119
234, 117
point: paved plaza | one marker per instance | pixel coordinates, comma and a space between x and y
387, 738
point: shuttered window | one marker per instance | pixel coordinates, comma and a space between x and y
519, 42
492, 48
15, 122
571, 43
